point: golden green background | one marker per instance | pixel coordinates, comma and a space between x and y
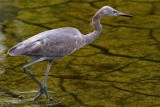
121, 68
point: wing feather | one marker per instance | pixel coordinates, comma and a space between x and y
53, 43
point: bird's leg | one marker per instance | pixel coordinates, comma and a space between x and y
46, 76
30, 75
43, 88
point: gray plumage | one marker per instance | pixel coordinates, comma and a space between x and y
54, 44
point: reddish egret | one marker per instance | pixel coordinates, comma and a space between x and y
54, 44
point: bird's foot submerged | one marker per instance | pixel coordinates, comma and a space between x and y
40, 92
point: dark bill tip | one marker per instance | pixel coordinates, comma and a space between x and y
127, 15
124, 14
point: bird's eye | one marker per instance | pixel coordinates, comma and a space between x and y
114, 11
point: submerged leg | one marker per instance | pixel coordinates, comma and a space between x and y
43, 88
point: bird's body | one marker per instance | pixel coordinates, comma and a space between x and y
54, 44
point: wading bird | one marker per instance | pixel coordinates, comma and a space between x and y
54, 44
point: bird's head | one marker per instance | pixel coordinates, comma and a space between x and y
109, 11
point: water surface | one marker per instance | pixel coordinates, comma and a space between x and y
119, 69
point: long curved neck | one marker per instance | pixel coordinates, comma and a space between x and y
96, 26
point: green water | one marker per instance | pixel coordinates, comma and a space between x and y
121, 68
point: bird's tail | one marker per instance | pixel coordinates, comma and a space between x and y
16, 50
12, 51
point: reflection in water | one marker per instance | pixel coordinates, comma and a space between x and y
7, 12
1, 41
2, 48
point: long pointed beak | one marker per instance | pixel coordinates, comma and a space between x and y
124, 14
